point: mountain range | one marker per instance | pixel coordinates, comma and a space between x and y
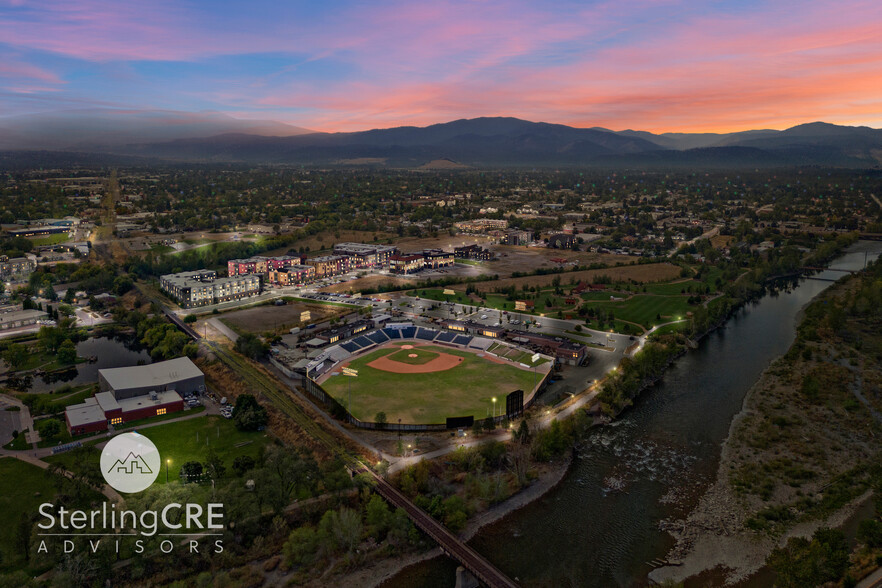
479, 142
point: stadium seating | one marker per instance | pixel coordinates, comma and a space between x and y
378, 337
393, 333
426, 334
362, 342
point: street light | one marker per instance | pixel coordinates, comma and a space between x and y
494, 407
167, 463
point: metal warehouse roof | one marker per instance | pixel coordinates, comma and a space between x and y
158, 374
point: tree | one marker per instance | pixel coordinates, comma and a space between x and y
23, 536
377, 516
285, 476
190, 319
251, 346
50, 429
248, 415
67, 352
380, 419
809, 563
301, 546
191, 472
242, 464
214, 466
15, 355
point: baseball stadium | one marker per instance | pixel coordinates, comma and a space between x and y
424, 376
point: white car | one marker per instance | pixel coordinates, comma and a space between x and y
483, 316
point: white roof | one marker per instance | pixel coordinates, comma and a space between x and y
84, 414
164, 397
107, 401
158, 374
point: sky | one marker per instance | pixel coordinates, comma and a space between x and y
654, 65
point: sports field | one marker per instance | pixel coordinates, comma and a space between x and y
463, 385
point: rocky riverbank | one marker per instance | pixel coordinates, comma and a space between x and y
798, 456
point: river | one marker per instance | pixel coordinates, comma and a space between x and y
600, 526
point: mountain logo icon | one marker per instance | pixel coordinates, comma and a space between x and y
130, 462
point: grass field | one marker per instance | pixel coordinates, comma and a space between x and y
23, 487
643, 309
190, 441
466, 389
422, 356
50, 239
643, 273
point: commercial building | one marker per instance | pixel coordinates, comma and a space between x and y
407, 263
565, 350
134, 393
472, 252
38, 231
17, 266
20, 318
203, 287
363, 255
291, 276
179, 374
517, 237
259, 265
474, 328
435, 258
481, 224
329, 265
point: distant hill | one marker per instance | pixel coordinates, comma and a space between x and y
475, 143
105, 129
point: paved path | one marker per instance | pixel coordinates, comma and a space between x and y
47, 451
227, 331
874, 580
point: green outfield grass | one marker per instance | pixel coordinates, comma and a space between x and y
466, 389
422, 356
